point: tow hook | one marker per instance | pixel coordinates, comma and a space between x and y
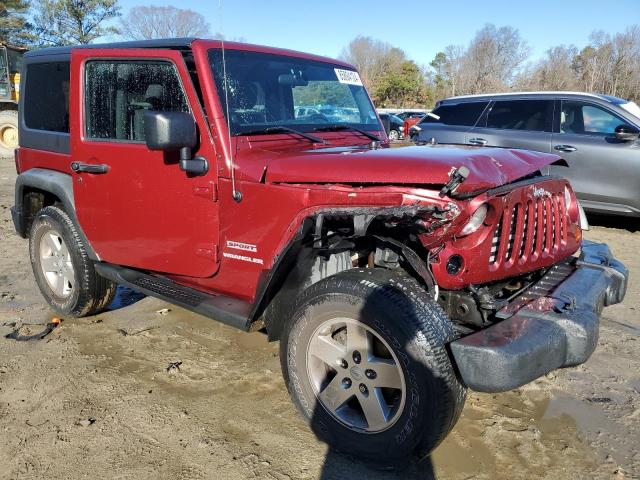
569, 303
456, 177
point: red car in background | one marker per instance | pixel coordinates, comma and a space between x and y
410, 119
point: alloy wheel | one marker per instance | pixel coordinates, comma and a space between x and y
355, 375
56, 265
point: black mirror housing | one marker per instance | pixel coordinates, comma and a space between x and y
169, 131
627, 133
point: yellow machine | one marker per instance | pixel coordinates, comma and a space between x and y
10, 66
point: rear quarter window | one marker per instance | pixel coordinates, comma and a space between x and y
463, 114
46, 97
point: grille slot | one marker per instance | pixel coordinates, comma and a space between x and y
495, 243
512, 232
535, 227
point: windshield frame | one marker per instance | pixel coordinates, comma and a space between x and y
214, 54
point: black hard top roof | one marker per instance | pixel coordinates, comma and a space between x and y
172, 43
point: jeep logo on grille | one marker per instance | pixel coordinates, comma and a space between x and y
540, 192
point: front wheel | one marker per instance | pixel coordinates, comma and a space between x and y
394, 135
63, 271
364, 360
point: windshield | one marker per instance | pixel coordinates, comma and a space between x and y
266, 90
632, 108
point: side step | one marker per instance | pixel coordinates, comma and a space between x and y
224, 309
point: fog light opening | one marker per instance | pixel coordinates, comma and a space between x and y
454, 264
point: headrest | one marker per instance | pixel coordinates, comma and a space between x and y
155, 90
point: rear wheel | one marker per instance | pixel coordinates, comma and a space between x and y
8, 132
364, 360
63, 271
394, 135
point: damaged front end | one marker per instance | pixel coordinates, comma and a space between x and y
552, 324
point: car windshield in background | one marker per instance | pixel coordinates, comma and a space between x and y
266, 91
632, 108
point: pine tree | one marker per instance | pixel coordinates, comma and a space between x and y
14, 27
72, 22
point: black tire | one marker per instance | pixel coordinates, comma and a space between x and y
90, 293
400, 312
394, 135
8, 132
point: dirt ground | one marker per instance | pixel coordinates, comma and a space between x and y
95, 398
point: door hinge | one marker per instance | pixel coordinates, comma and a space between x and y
209, 251
208, 191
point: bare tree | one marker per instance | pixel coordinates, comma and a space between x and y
610, 64
145, 23
372, 58
554, 72
492, 59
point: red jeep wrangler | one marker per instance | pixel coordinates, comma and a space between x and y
254, 186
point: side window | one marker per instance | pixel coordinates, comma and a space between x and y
587, 119
464, 114
46, 97
118, 93
531, 115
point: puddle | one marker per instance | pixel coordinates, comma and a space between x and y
590, 421
525, 431
124, 298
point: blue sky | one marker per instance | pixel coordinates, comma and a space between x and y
325, 26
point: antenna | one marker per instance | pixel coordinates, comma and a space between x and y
235, 193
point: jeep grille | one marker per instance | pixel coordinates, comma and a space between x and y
526, 230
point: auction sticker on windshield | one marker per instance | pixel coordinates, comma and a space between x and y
348, 76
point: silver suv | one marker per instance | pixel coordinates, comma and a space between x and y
597, 136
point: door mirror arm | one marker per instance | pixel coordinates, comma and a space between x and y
194, 166
175, 131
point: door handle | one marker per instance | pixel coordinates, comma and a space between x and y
89, 168
565, 148
478, 141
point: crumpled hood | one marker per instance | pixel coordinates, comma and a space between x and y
416, 165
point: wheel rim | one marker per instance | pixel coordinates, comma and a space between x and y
355, 375
393, 135
9, 136
56, 265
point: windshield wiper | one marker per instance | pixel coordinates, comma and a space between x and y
336, 128
283, 129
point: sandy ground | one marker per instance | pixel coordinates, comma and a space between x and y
94, 399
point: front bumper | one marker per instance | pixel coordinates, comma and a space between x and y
542, 333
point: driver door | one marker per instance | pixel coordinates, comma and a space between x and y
136, 206
602, 169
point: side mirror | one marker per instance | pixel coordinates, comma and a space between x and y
169, 131
627, 133
173, 131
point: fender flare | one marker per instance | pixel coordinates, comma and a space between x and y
53, 182
298, 261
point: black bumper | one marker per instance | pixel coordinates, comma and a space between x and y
557, 330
